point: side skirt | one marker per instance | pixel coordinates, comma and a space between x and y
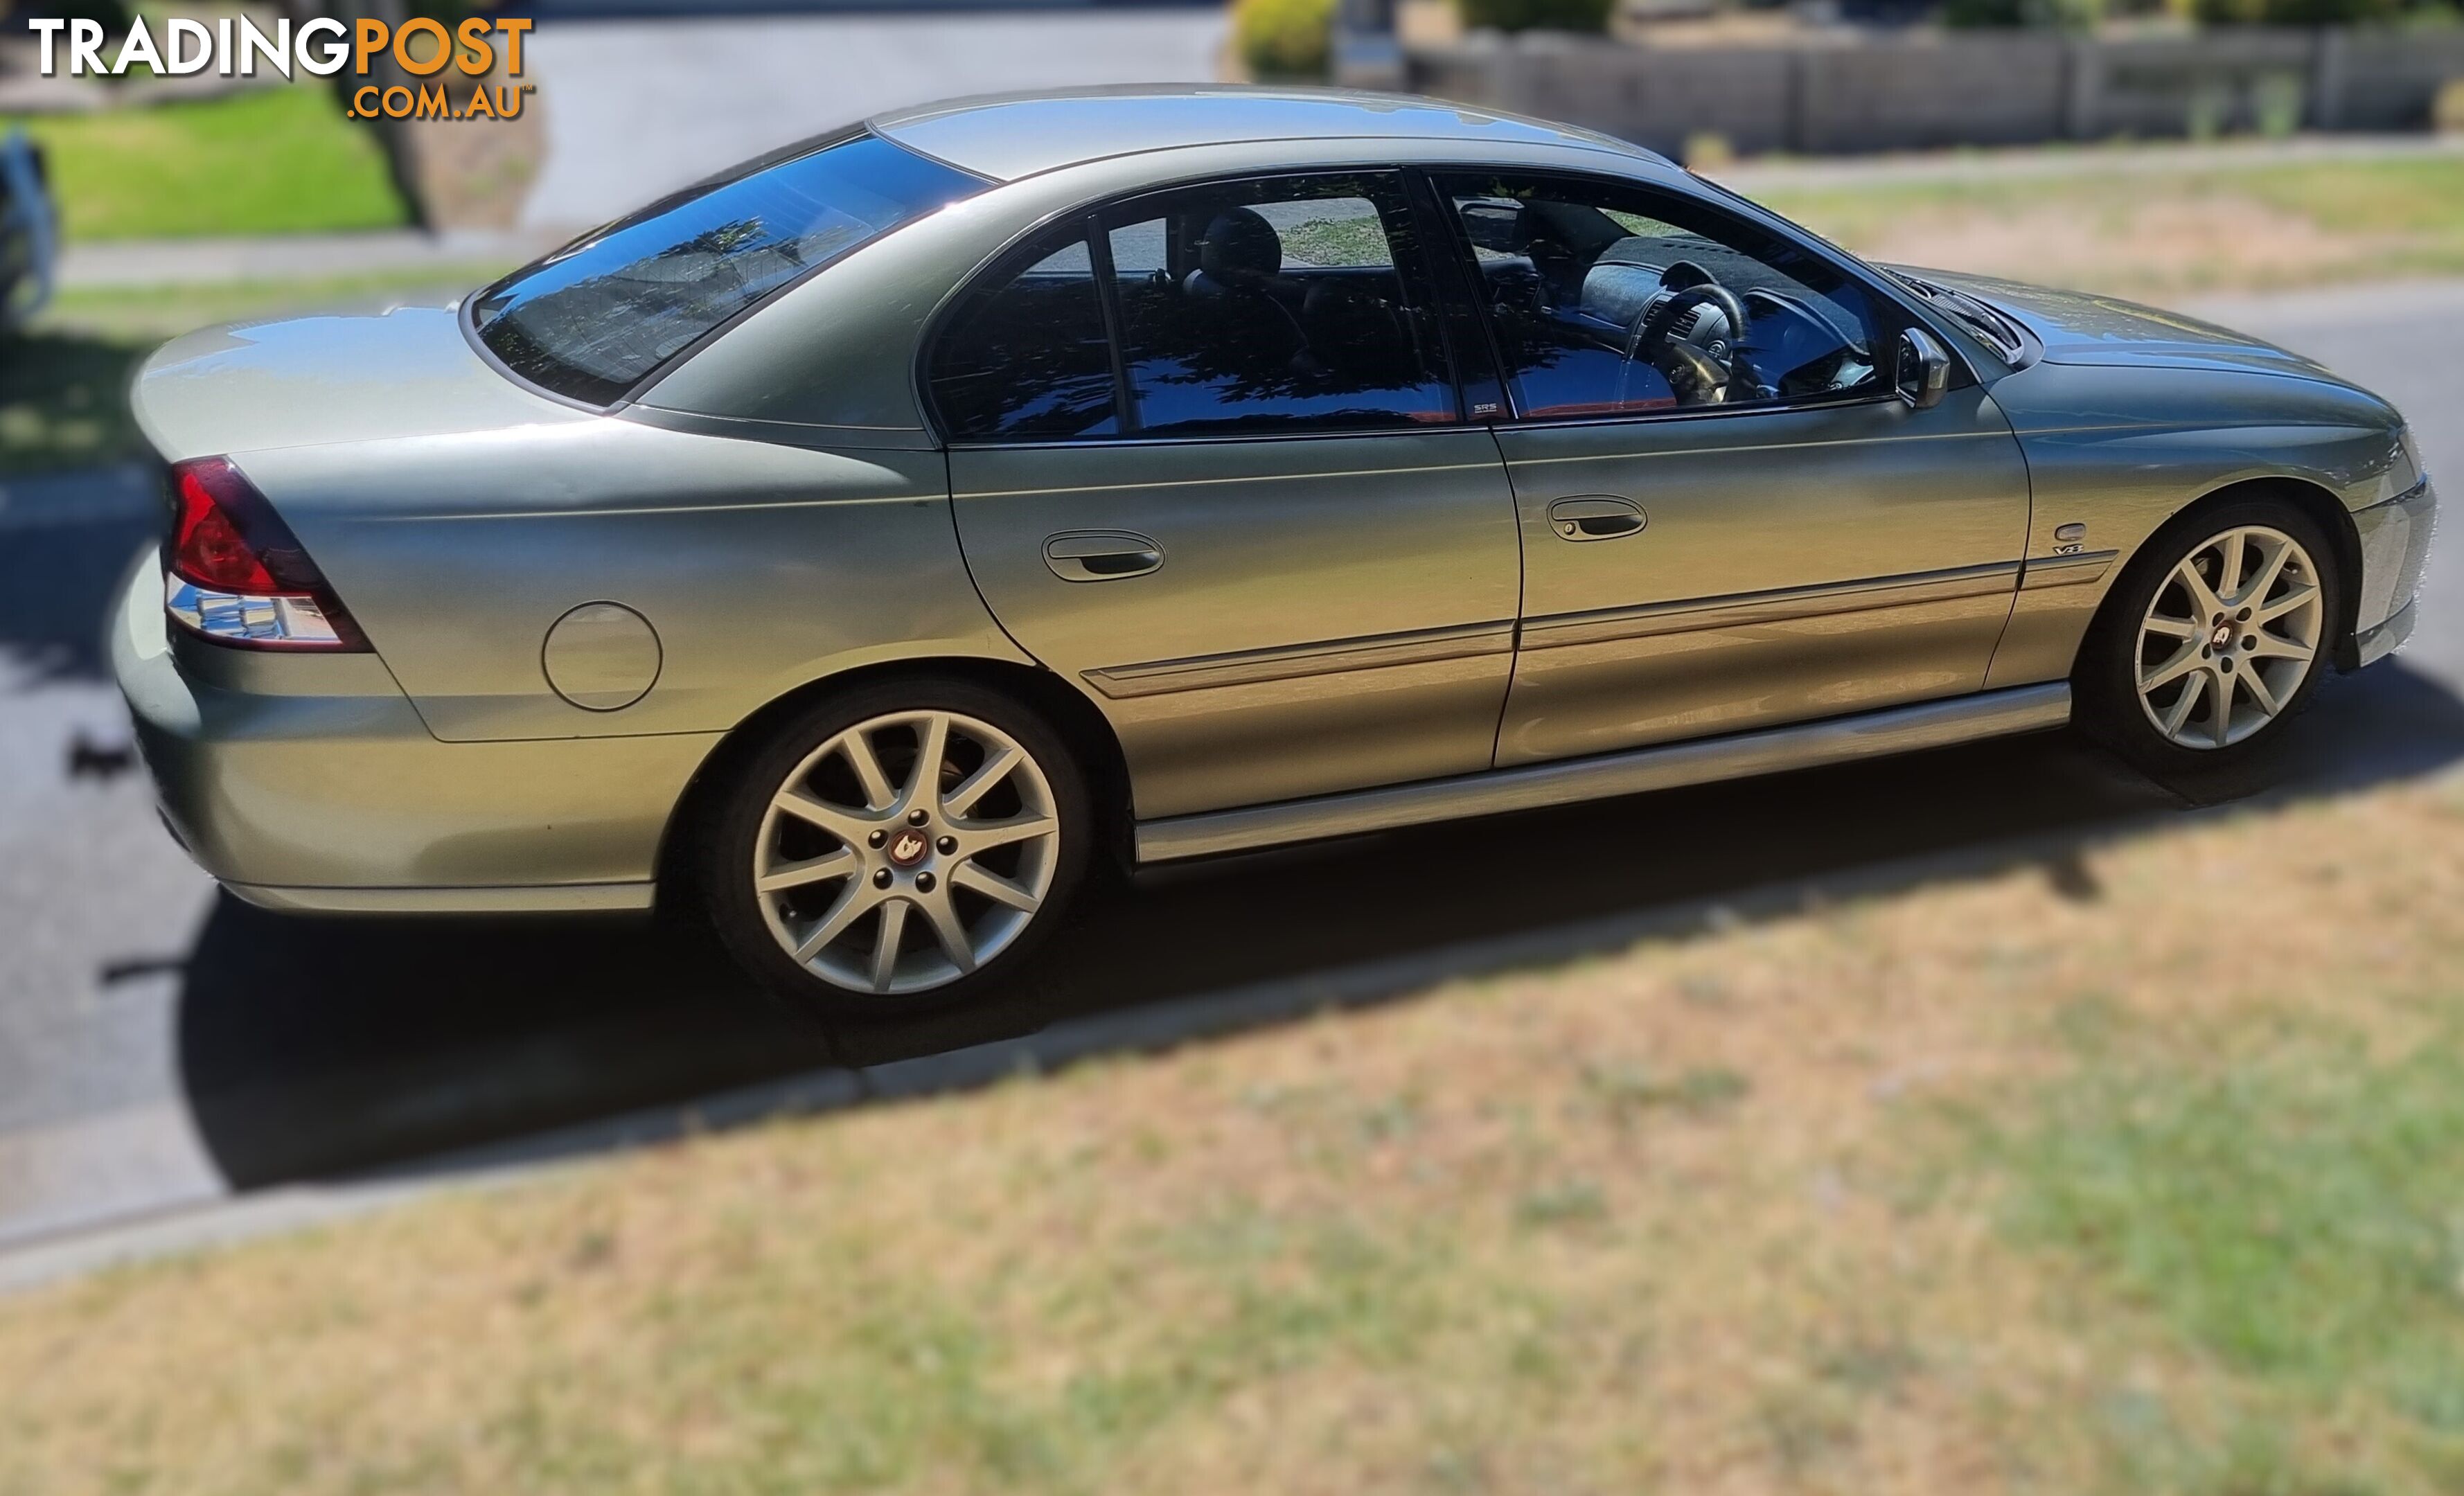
1931, 724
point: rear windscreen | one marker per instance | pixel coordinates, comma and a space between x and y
598, 317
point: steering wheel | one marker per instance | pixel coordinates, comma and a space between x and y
1693, 374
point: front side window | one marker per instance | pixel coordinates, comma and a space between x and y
1289, 304
1609, 299
598, 317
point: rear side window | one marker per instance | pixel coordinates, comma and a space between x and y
1266, 306
1289, 304
1025, 358
602, 314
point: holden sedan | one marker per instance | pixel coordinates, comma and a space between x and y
855, 544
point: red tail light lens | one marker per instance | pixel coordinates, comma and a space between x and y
207, 546
238, 575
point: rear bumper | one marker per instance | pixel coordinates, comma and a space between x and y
310, 783
2395, 545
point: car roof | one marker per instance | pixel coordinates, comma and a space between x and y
1009, 136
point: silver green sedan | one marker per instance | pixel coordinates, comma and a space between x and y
857, 543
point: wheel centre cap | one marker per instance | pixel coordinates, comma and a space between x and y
908, 847
2223, 637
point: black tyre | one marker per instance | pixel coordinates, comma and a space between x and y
898, 846
2213, 638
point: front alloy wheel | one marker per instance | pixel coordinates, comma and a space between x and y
2216, 632
2231, 637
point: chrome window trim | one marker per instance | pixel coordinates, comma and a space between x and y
1545, 422
1345, 434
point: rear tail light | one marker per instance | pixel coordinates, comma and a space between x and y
236, 574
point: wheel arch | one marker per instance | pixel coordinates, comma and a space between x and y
1069, 710
2317, 503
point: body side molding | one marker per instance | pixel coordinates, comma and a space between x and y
1746, 609
1803, 745
1251, 667
2066, 571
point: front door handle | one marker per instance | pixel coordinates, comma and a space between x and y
1101, 555
1595, 517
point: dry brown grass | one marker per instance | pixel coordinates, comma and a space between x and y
2230, 225
1728, 1214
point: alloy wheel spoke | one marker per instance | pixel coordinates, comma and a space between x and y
984, 836
933, 746
856, 747
851, 907
2184, 660
2297, 598
837, 864
980, 879
2180, 711
950, 930
884, 950
2266, 646
995, 768
2260, 695
847, 825
2203, 598
2220, 720
2256, 590
2228, 560
2173, 628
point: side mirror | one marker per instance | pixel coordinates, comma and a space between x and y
1495, 226
1923, 371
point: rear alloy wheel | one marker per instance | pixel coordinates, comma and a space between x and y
898, 852
2230, 638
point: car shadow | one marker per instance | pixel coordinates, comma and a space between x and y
315, 1048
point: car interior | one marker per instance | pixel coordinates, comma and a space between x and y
1227, 318
1689, 320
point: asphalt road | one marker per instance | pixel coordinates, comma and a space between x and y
161, 1046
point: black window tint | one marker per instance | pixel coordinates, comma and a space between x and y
1608, 300
1286, 304
601, 315
1025, 357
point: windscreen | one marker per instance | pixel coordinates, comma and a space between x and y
598, 317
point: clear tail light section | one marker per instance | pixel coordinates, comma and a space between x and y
237, 575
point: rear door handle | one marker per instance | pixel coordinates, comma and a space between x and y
1101, 555
1595, 517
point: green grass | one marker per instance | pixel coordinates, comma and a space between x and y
2293, 1211
273, 161
63, 401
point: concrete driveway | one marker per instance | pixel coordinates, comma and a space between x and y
160, 1046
